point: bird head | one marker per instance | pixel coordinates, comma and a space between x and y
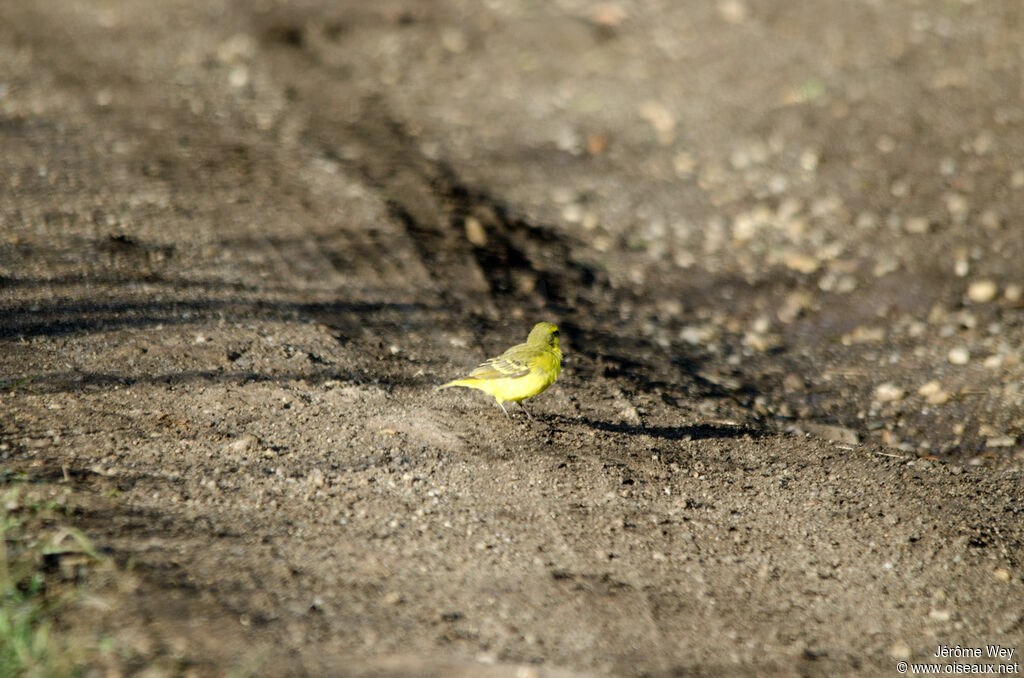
543, 334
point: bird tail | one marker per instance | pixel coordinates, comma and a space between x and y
457, 382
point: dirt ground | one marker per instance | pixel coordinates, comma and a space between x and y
243, 240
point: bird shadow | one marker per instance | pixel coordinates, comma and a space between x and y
686, 432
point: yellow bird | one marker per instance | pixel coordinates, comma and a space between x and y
523, 371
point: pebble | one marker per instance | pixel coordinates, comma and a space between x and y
696, 335
794, 306
838, 434
982, 291
243, 444
661, 119
990, 219
762, 343
983, 143
961, 267
889, 393
733, 11
957, 206
238, 47
916, 225
475, 232
959, 355
993, 362
1002, 574
572, 213
597, 143
809, 161
900, 650
885, 265
608, 14
684, 164
864, 335
454, 40
238, 77
802, 263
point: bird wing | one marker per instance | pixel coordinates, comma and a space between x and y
506, 366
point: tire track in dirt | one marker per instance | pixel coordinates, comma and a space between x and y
482, 258
499, 266
509, 263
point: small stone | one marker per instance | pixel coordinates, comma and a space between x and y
863, 335
993, 362
957, 206
243, 444
572, 213
940, 615
236, 48
1013, 292
885, 265
959, 355
988, 430
938, 398
983, 143
238, 77
930, 388
900, 650
990, 219
1001, 441
889, 393
1002, 574
961, 267
733, 11
982, 291
866, 220
316, 478
762, 342
838, 434
802, 263
684, 164
661, 119
697, 334
597, 142
793, 383
608, 14
475, 232
794, 306
916, 225
454, 40
809, 161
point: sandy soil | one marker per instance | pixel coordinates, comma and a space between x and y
242, 241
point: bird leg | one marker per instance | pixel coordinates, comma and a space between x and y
528, 415
502, 406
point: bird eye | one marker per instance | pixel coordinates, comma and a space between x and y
554, 333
